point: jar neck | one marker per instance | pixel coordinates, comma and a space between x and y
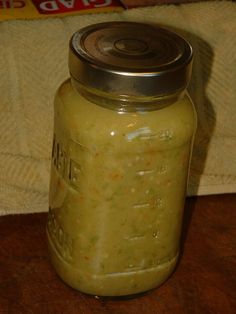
126, 103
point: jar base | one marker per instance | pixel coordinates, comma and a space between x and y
115, 286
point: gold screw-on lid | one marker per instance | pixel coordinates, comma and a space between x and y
133, 59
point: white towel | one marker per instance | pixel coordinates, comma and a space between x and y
33, 63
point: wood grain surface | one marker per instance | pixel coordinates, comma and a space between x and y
204, 281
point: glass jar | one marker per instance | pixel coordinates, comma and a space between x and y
123, 135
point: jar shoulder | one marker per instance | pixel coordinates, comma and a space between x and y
68, 99
82, 118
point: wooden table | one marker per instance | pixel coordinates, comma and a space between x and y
204, 281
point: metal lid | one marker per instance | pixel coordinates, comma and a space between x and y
127, 58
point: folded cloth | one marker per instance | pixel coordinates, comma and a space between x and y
142, 3
33, 62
